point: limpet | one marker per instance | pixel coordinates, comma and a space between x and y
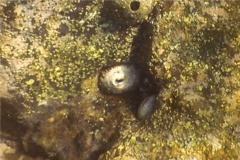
147, 107
119, 79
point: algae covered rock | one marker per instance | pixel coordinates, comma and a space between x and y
129, 12
195, 61
52, 53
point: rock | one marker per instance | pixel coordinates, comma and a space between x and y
128, 12
51, 56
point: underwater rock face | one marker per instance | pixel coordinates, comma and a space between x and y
48, 61
119, 79
195, 59
129, 12
51, 54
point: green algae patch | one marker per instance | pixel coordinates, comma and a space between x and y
53, 50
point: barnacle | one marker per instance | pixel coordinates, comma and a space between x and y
129, 11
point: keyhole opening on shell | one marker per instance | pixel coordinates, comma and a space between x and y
119, 80
135, 5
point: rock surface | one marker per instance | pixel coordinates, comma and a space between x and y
51, 53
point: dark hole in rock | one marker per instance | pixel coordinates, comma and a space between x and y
135, 5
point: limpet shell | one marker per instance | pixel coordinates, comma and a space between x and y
119, 79
147, 107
